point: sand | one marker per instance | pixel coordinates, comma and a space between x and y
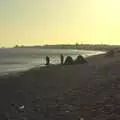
90, 91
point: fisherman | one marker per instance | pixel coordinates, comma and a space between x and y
47, 60
61, 59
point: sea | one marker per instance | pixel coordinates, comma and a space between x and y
21, 59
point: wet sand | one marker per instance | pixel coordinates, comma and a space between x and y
91, 91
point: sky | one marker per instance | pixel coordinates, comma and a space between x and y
38, 22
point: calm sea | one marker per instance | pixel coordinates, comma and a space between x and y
19, 59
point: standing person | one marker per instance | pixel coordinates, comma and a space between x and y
61, 59
47, 60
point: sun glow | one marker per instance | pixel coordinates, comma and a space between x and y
59, 22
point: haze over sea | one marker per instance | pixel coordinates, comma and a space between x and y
20, 59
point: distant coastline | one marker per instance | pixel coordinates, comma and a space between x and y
102, 47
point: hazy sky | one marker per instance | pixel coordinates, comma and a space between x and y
31, 22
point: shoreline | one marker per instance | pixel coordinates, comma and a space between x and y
17, 73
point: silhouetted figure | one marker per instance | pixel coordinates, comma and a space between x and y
47, 60
61, 59
80, 60
68, 61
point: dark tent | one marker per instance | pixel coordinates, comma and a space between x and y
80, 60
68, 61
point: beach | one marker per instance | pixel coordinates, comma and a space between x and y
73, 92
